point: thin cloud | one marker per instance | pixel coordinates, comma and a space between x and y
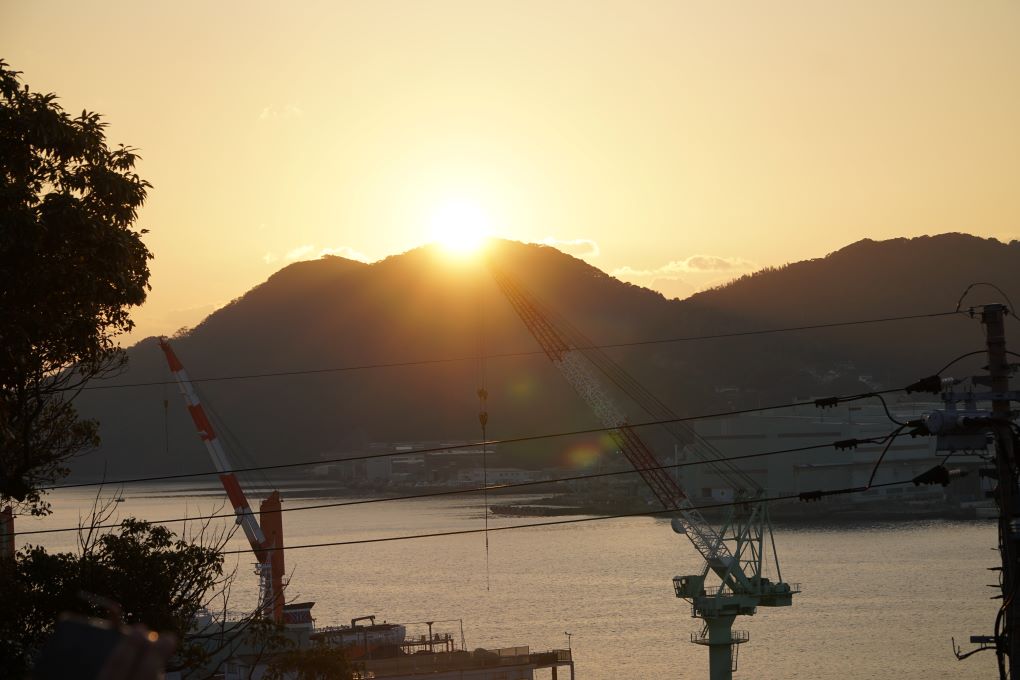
681, 278
300, 253
312, 252
288, 111
344, 251
578, 247
695, 264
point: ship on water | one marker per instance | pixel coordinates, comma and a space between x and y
383, 651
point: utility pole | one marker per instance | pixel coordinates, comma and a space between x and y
7, 547
1007, 493
955, 426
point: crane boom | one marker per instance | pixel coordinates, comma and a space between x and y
268, 552
743, 587
681, 432
568, 359
243, 511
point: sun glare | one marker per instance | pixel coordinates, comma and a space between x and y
461, 227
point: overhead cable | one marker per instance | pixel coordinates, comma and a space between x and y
561, 522
840, 445
503, 355
829, 401
959, 303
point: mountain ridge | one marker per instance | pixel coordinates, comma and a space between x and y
334, 313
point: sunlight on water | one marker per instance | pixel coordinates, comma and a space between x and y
879, 601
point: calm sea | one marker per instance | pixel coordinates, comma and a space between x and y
880, 600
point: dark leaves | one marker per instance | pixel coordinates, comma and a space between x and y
70, 267
159, 579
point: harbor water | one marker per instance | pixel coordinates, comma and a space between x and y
880, 600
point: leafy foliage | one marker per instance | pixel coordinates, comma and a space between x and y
159, 579
70, 267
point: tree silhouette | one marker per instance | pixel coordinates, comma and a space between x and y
71, 264
156, 578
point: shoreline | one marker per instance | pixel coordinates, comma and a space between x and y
543, 504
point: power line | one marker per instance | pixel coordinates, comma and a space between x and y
960, 358
561, 522
504, 355
826, 402
959, 303
839, 445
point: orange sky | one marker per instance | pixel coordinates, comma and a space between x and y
674, 143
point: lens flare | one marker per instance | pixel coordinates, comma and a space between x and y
582, 456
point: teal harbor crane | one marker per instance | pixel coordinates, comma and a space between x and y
731, 583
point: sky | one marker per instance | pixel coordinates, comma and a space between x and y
673, 144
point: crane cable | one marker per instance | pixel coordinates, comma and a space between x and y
166, 425
483, 421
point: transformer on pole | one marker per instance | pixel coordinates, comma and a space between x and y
967, 420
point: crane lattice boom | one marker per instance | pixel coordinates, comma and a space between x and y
743, 587
574, 368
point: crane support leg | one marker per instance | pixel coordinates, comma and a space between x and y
720, 638
720, 648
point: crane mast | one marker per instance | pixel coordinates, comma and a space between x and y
742, 587
268, 551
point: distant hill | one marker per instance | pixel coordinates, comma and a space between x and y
867, 280
421, 305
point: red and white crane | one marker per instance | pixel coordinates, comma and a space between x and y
266, 536
735, 554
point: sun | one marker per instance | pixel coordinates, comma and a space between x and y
460, 226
